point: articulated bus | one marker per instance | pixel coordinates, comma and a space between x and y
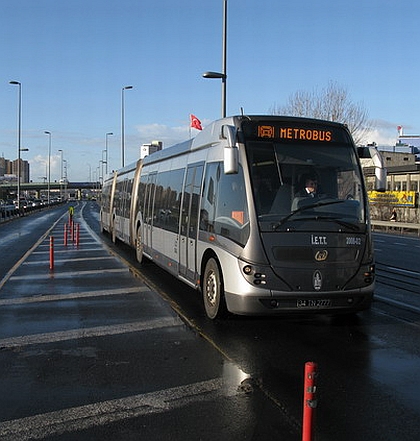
226, 213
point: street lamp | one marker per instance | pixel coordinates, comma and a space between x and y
222, 75
65, 178
49, 165
122, 124
106, 151
61, 173
19, 139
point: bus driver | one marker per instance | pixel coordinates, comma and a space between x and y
310, 183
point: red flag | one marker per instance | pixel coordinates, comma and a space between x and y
195, 122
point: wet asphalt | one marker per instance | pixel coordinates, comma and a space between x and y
88, 351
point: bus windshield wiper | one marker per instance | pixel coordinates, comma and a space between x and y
306, 207
338, 221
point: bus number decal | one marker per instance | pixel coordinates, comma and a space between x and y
352, 240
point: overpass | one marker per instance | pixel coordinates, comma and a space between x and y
37, 188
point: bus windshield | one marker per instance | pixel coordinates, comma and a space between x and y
301, 182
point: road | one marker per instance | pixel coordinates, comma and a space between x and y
141, 361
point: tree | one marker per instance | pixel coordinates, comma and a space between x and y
332, 103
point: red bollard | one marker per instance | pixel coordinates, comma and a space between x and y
72, 231
309, 401
51, 253
65, 235
77, 234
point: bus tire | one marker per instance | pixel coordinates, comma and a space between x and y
213, 290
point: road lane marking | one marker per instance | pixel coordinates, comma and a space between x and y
96, 331
28, 253
397, 303
72, 296
402, 270
106, 412
77, 259
70, 250
67, 274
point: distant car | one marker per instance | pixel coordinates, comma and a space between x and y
6, 207
23, 203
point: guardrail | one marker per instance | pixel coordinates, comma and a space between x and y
401, 227
8, 212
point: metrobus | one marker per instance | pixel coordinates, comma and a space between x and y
224, 213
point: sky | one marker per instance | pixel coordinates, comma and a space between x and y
73, 58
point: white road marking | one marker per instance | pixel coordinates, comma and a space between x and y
71, 296
102, 413
97, 331
67, 274
79, 259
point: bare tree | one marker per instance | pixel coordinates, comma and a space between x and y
332, 103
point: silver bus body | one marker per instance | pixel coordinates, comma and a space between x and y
195, 210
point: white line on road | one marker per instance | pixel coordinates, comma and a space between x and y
66, 274
402, 270
98, 331
70, 249
106, 412
71, 296
79, 259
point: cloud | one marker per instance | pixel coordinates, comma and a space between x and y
39, 168
160, 132
168, 135
382, 133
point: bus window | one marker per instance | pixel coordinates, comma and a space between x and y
224, 208
278, 176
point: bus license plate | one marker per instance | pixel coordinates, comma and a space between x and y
313, 303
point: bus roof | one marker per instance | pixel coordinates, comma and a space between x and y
210, 135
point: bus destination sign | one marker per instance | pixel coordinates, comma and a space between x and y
294, 133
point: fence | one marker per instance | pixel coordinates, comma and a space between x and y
401, 227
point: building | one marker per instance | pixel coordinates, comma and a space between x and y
8, 168
5, 167
23, 171
148, 149
403, 180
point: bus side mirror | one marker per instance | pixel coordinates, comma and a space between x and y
372, 153
231, 153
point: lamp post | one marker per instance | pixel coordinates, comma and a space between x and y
61, 173
49, 165
222, 75
101, 171
19, 139
65, 178
123, 124
106, 151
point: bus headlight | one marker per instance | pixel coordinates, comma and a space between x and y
247, 269
254, 276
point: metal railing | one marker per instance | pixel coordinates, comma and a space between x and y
400, 227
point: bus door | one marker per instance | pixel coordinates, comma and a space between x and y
148, 211
189, 222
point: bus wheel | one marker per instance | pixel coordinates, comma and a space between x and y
213, 291
139, 247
